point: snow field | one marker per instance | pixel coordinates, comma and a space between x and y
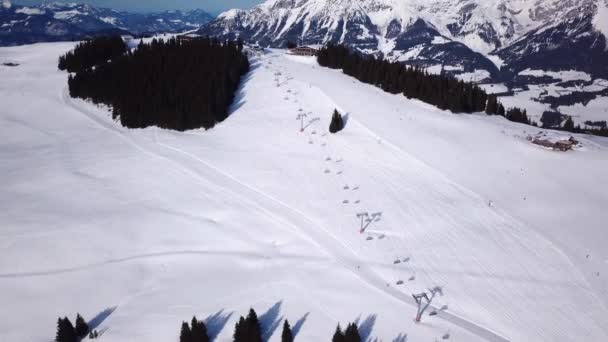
164, 225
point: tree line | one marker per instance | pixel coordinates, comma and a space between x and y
443, 91
91, 53
67, 332
246, 329
175, 84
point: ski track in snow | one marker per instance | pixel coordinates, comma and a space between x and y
236, 254
432, 191
347, 256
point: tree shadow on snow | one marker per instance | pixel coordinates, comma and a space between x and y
400, 338
366, 327
345, 118
100, 317
215, 323
239, 96
270, 320
295, 330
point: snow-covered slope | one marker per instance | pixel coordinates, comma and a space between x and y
160, 225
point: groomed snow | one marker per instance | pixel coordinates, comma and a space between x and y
162, 225
595, 110
494, 88
476, 76
570, 75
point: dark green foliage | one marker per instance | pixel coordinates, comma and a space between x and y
199, 331
196, 332
248, 329
175, 84
351, 334
65, 331
600, 124
91, 53
291, 45
516, 115
338, 335
239, 330
492, 106
286, 336
185, 334
501, 110
569, 125
337, 123
82, 328
442, 91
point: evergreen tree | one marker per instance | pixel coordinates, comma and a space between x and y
185, 334
65, 331
82, 328
240, 331
442, 90
286, 336
336, 124
254, 333
569, 125
351, 334
501, 110
492, 106
198, 331
338, 335
91, 53
193, 84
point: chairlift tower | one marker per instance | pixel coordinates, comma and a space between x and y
301, 117
364, 216
424, 301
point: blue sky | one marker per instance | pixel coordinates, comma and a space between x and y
212, 6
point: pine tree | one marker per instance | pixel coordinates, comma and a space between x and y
254, 333
286, 336
338, 335
65, 331
199, 331
82, 328
351, 334
501, 110
336, 124
185, 334
492, 106
193, 85
569, 125
240, 331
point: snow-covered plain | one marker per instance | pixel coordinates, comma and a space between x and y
160, 225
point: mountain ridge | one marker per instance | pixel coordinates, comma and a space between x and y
465, 36
56, 21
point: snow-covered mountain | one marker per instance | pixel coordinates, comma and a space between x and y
59, 21
463, 36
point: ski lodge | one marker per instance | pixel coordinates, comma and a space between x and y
304, 51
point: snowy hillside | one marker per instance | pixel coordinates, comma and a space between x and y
463, 34
158, 226
486, 41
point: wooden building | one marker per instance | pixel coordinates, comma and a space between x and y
304, 51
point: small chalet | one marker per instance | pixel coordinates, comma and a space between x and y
304, 51
564, 145
560, 145
187, 37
